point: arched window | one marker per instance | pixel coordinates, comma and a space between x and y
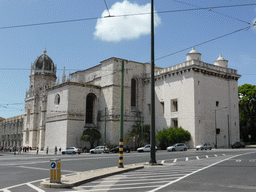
89, 108
133, 93
57, 99
28, 116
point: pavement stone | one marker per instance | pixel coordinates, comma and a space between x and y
88, 176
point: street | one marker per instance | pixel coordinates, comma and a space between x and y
215, 170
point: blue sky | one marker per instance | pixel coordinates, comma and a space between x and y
82, 44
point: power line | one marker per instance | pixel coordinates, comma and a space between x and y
203, 43
136, 14
214, 12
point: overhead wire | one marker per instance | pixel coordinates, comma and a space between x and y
213, 11
94, 18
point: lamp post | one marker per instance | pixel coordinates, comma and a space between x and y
216, 140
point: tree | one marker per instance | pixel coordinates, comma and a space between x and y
91, 135
171, 135
247, 111
136, 133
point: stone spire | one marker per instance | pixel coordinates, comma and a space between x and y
221, 62
193, 55
64, 76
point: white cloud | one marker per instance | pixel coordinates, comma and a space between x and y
125, 27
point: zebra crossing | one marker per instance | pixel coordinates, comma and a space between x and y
149, 178
191, 158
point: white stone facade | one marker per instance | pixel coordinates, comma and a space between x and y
187, 95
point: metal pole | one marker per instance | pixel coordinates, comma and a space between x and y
142, 134
228, 133
152, 127
105, 127
215, 131
121, 143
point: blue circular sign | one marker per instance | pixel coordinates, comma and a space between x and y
53, 165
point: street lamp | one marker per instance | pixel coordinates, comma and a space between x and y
217, 131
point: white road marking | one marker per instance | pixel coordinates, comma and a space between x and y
170, 183
186, 159
34, 187
197, 157
223, 154
175, 160
206, 156
162, 162
216, 155
238, 160
44, 169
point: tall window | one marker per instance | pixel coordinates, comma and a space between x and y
28, 116
89, 108
133, 92
174, 122
174, 105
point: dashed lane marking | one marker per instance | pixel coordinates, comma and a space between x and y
34, 187
175, 160
186, 159
206, 156
197, 157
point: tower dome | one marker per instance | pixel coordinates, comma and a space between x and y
44, 62
193, 55
221, 62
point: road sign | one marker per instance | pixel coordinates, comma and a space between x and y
53, 165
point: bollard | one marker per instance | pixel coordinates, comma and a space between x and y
55, 171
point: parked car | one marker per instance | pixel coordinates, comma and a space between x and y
146, 148
204, 146
125, 149
238, 145
177, 147
99, 149
72, 150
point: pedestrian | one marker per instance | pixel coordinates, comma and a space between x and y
47, 149
37, 150
60, 149
55, 150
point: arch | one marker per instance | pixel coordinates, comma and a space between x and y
57, 99
90, 108
133, 92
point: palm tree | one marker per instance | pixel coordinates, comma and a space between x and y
91, 135
136, 132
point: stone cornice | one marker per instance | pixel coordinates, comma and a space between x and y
75, 84
196, 66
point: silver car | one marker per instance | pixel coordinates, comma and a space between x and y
204, 146
146, 148
72, 150
99, 149
177, 147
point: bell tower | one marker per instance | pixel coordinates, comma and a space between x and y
42, 76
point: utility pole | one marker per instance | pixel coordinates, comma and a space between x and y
152, 126
105, 127
121, 141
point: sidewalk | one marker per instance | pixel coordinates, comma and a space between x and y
88, 176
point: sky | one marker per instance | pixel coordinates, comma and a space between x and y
79, 34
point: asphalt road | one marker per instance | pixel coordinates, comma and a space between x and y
25, 172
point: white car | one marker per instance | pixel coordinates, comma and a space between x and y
72, 150
99, 149
177, 147
204, 146
146, 148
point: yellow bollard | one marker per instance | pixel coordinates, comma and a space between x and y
55, 171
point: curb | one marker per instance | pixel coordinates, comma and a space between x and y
88, 176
